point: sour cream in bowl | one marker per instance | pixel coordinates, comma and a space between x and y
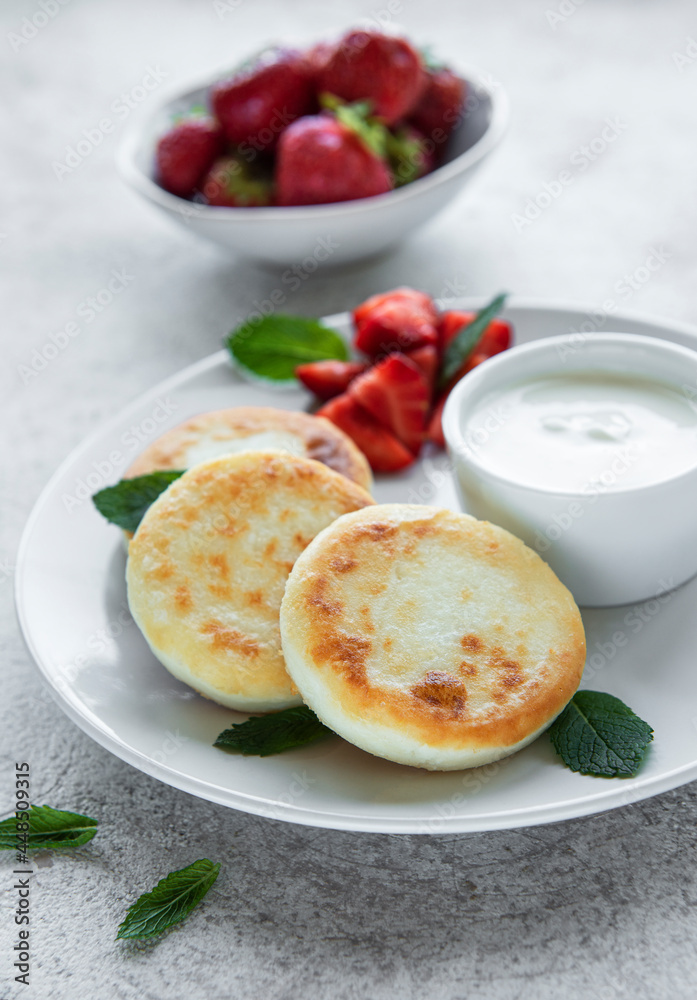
587, 450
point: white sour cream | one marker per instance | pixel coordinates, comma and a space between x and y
586, 431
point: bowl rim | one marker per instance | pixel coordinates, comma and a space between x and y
476, 81
454, 436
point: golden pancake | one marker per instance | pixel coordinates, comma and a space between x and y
209, 562
254, 428
428, 637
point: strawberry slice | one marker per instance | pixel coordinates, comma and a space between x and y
435, 423
327, 379
426, 360
496, 338
397, 394
400, 320
382, 449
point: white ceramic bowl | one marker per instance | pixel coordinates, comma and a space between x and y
612, 547
328, 234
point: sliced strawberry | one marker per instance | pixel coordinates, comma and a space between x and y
327, 379
435, 424
396, 393
497, 336
426, 359
400, 320
435, 427
382, 449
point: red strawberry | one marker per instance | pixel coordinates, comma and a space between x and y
185, 153
327, 379
232, 181
441, 104
321, 160
496, 338
367, 65
397, 394
427, 361
395, 321
382, 449
256, 104
435, 423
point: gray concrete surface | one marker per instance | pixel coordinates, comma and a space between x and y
603, 907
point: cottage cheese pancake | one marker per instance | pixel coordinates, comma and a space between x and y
428, 637
209, 561
245, 428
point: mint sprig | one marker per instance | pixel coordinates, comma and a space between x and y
125, 503
461, 346
598, 734
274, 347
172, 899
271, 734
49, 829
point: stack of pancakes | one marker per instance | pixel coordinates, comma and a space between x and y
266, 576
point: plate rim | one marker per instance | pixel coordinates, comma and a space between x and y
597, 802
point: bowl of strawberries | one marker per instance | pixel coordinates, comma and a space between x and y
332, 153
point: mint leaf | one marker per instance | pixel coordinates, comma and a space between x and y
172, 899
598, 734
271, 734
48, 829
126, 503
461, 346
274, 347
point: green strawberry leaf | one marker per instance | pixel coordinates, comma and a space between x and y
598, 734
357, 116
125, 503
274, 347
172, 899
271, 734
48, 829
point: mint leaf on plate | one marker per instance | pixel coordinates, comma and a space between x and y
172, 899
598, 734
273, 348
125, 503
461, 346
47, 829
265, 735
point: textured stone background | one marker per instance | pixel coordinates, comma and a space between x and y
602, 907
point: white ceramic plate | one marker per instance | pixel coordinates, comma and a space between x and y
71, 601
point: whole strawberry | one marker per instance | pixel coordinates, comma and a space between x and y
441, 104
322, 160
234, 183
367, 65
185, 154
256, 104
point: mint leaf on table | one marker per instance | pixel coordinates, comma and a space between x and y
270, 734
48, 829
461, 346
598, 734
274, 347
172, 899
125, 503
